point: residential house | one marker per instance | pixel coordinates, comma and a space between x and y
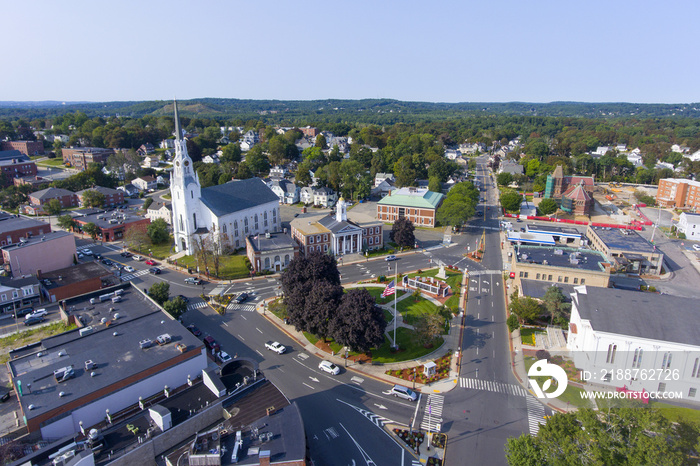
211, 159
65, 197
145, 149
452, 154
325, 197
145, 183
383, 189
287, 191
19, 293
46, 252
278, 172
151, 162
689, 225
680, 149
167, 143
160, 210
113, 197
306, 195
129, 190
249, 139
418, 205
509, 166
379, 177
33, 181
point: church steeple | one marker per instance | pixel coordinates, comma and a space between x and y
178, 132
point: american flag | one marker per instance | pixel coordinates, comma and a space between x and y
389, 290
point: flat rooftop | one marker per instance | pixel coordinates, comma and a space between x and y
102, 220
623, 240
554, 230
75, 274
20, 223
37, 239
570, 258
117, 357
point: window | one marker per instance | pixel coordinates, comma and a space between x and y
612, 349
371, 240
256, 222
325, 237
267, 262
696, 372
15, 294
583, 281
575, 281
666, 363
194, 221
182, 225
521, 275
245, 222
550, 278
559, 279
566, 279
311, 240
223, 228
662, 387
325, 248
286, 259
637, 360
526, 274
318, 238
3, 297
537, 277
277, 259
265, 218
237, 244
27, 291
692, 392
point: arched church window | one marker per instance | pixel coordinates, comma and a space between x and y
223, 228
192, 194
182, 224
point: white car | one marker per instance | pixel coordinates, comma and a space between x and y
275, 346
327, 366
87, 252
696, 247
137, 258
224, 357
129, 269
37, 313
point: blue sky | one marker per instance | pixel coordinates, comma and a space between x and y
438, 51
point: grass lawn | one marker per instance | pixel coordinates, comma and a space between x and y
376, 293
56, 163
527, 335
676, 413
160, 251
230, 267
388, 316
166, 196
411, 310
408, 348
380, 252
30, 336
454, 279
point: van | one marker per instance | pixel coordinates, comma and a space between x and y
404, 392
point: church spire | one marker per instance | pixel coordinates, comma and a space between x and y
178, 132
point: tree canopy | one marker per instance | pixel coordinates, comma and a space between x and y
159, 292
158, 231
402, 233
359, 323
459, 205
510, 200
547, 206
93, 198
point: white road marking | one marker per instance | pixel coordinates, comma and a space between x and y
304, 383
239, 336
259, 353
256, 328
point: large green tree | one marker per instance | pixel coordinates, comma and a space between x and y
526, 308
510, 200
547, 206
91, 229
66, 222
402, 233
93, 198
175, 306
459, 205
358, 322
159, 292
53, 207
158, 231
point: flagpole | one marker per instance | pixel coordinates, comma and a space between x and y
396, 278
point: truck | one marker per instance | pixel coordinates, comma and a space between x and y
275, 346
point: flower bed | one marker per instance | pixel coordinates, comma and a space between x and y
412, 439
442, 371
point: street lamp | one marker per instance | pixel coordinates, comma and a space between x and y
414, 378
346, 356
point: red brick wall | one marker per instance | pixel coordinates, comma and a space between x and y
25, 147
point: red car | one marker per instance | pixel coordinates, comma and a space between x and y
151, 262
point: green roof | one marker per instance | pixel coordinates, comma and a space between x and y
413, 197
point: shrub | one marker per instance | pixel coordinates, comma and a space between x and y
542, 354
513, 323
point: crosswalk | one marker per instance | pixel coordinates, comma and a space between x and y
491, 386
131, 276
241, 307
432, 414
535, 415
197, 305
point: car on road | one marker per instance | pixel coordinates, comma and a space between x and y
224, 357
404, 392
97, 256
241, 297
154, 270
37, 313
193, 281
327, 366
137, 258
194, 330
151, 262
390, 257
184, 298
126, 254
107, 262
696, 247
86, 252
24, 311
31, 320
276, 346
129, 269
211, 344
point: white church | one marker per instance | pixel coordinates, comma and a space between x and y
229, 211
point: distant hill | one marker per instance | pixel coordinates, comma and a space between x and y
379, 111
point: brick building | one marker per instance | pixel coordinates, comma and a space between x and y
112, 196
80, 157
14, 228
65, 197
25, 147
309, 132
271, 252
417, 204
112, 226
15, 164
679, 193
76, 280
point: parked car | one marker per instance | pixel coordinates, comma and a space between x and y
129, 268
137, 258
151, 262
37, 313
31, 320
126, 254
224, 357
275, 346
24, 311
97, 256
107, 262
327, 366
241, 297
390, 257
211, 344
86, 252
193, 281
404, 392
696, 247
194, 330
154, 270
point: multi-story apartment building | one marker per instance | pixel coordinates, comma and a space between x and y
679, 193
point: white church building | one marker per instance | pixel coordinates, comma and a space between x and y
229, 211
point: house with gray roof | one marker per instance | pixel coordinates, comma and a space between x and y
642, 341
287, 191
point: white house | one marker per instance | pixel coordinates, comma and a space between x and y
689, 225
160, 210
287, 191
167, 144
306, 195
452, 154
601, 150
635, 159
145, 183
642, 341
379, 177
228, 212
211, 159
325, 197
